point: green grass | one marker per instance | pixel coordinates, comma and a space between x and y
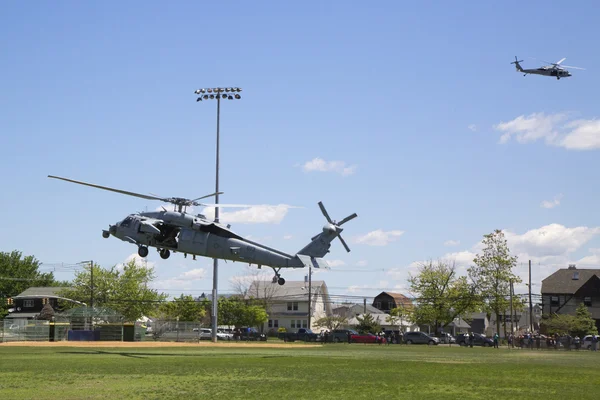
336, 371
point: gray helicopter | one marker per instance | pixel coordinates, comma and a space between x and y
554, 69
177, 231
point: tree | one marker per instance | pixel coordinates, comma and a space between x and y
123, 290
19, 273
442, 294
331, 323
367, 324
559, 323
492, 274
584, 323
400, 314
184, 307
47, 313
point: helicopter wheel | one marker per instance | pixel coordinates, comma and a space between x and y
105, 234
281, 281
165, 253
143, 251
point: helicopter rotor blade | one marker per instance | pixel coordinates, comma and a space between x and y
344, 243
143, 196
348, 218
324, 211
558, 62
208, 195
570, 67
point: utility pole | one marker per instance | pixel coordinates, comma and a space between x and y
92, 283
365, 305
217, 93
309, 294
512, 328
530, 302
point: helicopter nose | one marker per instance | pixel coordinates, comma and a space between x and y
112, 229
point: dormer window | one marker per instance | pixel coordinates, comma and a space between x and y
576, 275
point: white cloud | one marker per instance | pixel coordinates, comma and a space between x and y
362, 263
287, 237
472, 127
552, 203
139, 261
318, 164
186, 281
193, 274
554, 129
378, 237
260, 214
451, 242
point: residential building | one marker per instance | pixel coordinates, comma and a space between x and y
520, 321
28, 304
288, 305
567, 288
386, 301
479, 323
351, 310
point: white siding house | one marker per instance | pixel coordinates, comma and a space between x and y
287, 305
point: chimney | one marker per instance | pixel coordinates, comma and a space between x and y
572, 266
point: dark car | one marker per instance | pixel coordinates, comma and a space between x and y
252, 334
478, 340
417, 337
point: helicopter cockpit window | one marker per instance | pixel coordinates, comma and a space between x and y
126, 222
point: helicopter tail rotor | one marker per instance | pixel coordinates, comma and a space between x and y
334, 227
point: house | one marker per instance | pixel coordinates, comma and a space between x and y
351, 310
567, 288
385, 321
479, 322
28, 304
288, 305
520, 320
386, 301
458, 325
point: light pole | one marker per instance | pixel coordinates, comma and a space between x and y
91, 262
218, 93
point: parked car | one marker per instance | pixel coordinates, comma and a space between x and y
417, 337
366, 338
341, 335
303, 334
446, 338
252, 334
479, 340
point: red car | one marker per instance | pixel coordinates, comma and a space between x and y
366, 338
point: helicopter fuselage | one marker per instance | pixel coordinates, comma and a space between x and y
556, 72
195, 235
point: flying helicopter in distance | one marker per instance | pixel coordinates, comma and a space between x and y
180, 232
554, 69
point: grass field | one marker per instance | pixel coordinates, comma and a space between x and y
335, 371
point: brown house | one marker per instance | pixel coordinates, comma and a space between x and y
385, 301
567, 288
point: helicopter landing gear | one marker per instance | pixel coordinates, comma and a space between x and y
277, 278
142, 251
164, 254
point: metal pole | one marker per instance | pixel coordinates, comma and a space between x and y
512, 328
530, 305
309, 294
92, 283
215, 299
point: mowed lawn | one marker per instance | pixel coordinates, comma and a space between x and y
334, 371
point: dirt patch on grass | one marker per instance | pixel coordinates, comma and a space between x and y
156, 344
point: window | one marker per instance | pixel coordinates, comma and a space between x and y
293, 325
295, 306
305, 323
276, 323
292, 306
553, 300
270, 323
587, 301
27, 303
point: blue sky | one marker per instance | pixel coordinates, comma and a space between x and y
416, 102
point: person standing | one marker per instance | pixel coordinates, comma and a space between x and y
496, 340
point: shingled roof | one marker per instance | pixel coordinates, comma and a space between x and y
48, 291
562, 282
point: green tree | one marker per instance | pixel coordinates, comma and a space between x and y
184, 307
442, 294
124, 290
400, 314
18, 273
367, 324
47, 313
331, 323
492, 273
559, 323
584, 323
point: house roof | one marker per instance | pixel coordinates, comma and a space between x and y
292, 290
21, 315
48, 291
356, 309
459, 323
562, 282
399, 298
